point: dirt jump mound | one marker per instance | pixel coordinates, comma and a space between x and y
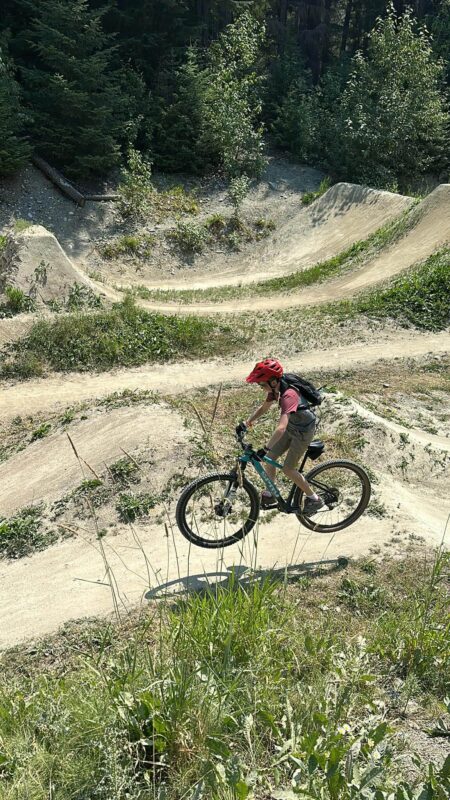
345, 214
34, 261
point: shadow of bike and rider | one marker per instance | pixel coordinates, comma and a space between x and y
242, 576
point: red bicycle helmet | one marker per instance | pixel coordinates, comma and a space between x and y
265, 370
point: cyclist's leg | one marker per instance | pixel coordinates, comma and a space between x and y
298, 447
276, 451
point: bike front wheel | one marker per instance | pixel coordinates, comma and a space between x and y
345, 490
214, 511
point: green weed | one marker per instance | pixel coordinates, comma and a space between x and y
24, 534
42, 431
21, 225
17, 302
130, 506
189, 237
128, 245
309, 197
125, 471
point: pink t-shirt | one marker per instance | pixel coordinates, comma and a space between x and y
288, 402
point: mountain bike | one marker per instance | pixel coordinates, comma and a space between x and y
219, 509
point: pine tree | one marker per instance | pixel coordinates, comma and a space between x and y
82, 107
14, 149
179, 126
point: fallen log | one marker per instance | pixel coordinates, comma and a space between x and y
62, 183
101, 197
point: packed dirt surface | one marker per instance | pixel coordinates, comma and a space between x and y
343, 215
406, 446
74, 577
429, 234
58, 391
48, 468
34, 261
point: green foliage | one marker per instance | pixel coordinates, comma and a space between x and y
135, 189
14, 149
309, 197
232, 129
83, 106
391, 119
421, 296
125, 335
176, 137
294, 107
81, 296
125, 471
17, 302
190, 237
237, 191
23, 534
130, 506
42, 431
21, 225
243, 689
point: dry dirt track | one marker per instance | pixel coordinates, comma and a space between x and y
69, 580
345, 214
59, 391
431, 232
47, 468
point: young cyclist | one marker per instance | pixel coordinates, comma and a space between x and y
294, 432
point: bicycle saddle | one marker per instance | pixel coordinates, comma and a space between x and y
315, 449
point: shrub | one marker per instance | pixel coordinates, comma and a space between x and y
190, 237
237, 191
125, 471
135, 189
17, 301
129, 245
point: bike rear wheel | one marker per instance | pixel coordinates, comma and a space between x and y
345, 489
214, 511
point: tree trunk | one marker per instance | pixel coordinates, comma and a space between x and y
346, 26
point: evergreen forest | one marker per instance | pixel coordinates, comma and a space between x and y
358, 88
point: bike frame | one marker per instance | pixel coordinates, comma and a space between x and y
249, 458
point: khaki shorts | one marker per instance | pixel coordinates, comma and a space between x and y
295, 444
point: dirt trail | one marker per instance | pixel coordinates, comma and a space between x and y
69, 580
431, 232
419, 436
59, 391
47, 469
345, 214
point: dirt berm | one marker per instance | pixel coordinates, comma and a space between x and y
345, 214
34, 261
430, 232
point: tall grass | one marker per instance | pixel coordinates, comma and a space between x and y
231, 693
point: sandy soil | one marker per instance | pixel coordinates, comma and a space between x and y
76, 577
48, 468
58, 391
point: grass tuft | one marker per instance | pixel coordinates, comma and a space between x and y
123, 336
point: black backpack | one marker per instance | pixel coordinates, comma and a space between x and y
291, 380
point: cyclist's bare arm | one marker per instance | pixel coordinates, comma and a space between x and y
263, 409
279, 430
